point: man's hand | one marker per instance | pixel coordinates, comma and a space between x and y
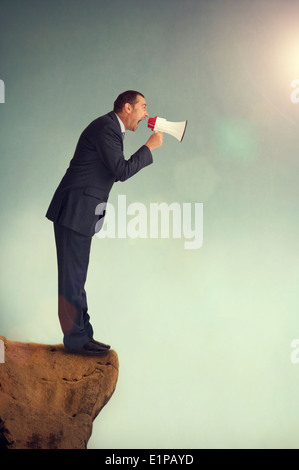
155, 140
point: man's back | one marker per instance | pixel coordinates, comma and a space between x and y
97, 163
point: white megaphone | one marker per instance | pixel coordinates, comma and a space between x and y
176, 129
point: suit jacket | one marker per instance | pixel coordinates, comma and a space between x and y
97, 163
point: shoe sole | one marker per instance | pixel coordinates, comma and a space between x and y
88, 353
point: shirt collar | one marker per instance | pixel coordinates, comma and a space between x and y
122, 126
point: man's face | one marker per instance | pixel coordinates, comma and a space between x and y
138, 113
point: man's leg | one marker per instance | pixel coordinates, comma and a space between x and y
73, 251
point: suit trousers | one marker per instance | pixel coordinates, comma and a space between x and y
73, 250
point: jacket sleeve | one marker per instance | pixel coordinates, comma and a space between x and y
109, 148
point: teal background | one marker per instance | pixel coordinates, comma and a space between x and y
203, 336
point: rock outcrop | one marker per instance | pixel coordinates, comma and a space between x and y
50, 397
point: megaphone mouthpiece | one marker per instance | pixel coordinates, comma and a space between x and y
176, 129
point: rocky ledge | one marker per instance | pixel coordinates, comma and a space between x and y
49, 397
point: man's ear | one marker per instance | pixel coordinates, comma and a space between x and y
128, 108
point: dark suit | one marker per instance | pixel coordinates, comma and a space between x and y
97, 163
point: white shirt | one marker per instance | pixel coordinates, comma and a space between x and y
122, 126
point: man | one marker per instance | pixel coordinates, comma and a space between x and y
97, 163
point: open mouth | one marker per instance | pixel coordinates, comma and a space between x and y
142, 119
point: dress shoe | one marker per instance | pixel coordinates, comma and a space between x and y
91, 349
103, 345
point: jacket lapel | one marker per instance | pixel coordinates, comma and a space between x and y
112, 115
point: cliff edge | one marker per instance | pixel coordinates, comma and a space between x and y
50, 397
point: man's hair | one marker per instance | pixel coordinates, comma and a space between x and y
129, 96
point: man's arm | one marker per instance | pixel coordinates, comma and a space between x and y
110, 150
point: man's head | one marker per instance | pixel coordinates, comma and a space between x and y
130, 106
